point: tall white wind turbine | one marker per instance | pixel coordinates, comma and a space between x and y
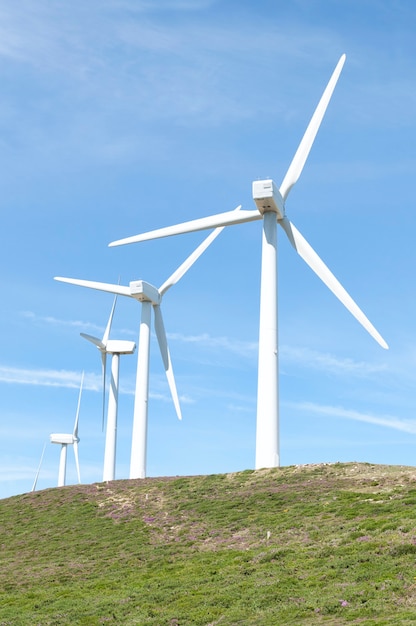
150, 298
116, 348
65, 440
270, 203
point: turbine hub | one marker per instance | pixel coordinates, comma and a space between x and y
268, 198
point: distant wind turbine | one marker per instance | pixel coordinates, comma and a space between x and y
270, 203
115, 348
66, 440
150, 297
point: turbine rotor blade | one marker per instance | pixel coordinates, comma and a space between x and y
310, 257
104, 355
92, 284
39, 466
77, 460
221, 219
296, 166
75, 432
97, 342
182, 269
110, 321
164, 350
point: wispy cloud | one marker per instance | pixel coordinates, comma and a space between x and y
166, 397
206, 343
100, 61
78, 324
241, 408
180, 62
246, 349
53, 321
313, 359
388, 421
48, 378
293, 355
120, 52
71, 379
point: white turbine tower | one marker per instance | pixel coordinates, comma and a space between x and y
116, 348
150, 297
270, 203
65, 440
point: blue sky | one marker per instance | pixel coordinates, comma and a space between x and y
121, 116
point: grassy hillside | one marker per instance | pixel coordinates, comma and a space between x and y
322, 544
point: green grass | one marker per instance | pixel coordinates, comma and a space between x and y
326, 544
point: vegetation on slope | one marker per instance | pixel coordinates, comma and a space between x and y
323, 544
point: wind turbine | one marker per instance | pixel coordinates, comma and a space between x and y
150, 298
115, 348
66, 440
270, 203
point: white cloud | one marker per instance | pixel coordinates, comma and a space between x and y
324, 361
241, 408
100, 52
48, 378
389, 421
167, 398
47, 319
246, 349
78, 324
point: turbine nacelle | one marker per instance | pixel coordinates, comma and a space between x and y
268, 198
144, 292
118, 346
63, 438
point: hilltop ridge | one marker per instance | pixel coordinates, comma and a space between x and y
324, 543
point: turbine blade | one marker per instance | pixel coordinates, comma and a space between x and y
104, 371
296, 167
104, 355
164, 350
77, 460
75, 432
221, 219
187, 264
39, 466
310, 257
97, 342
110, 321
92, 284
